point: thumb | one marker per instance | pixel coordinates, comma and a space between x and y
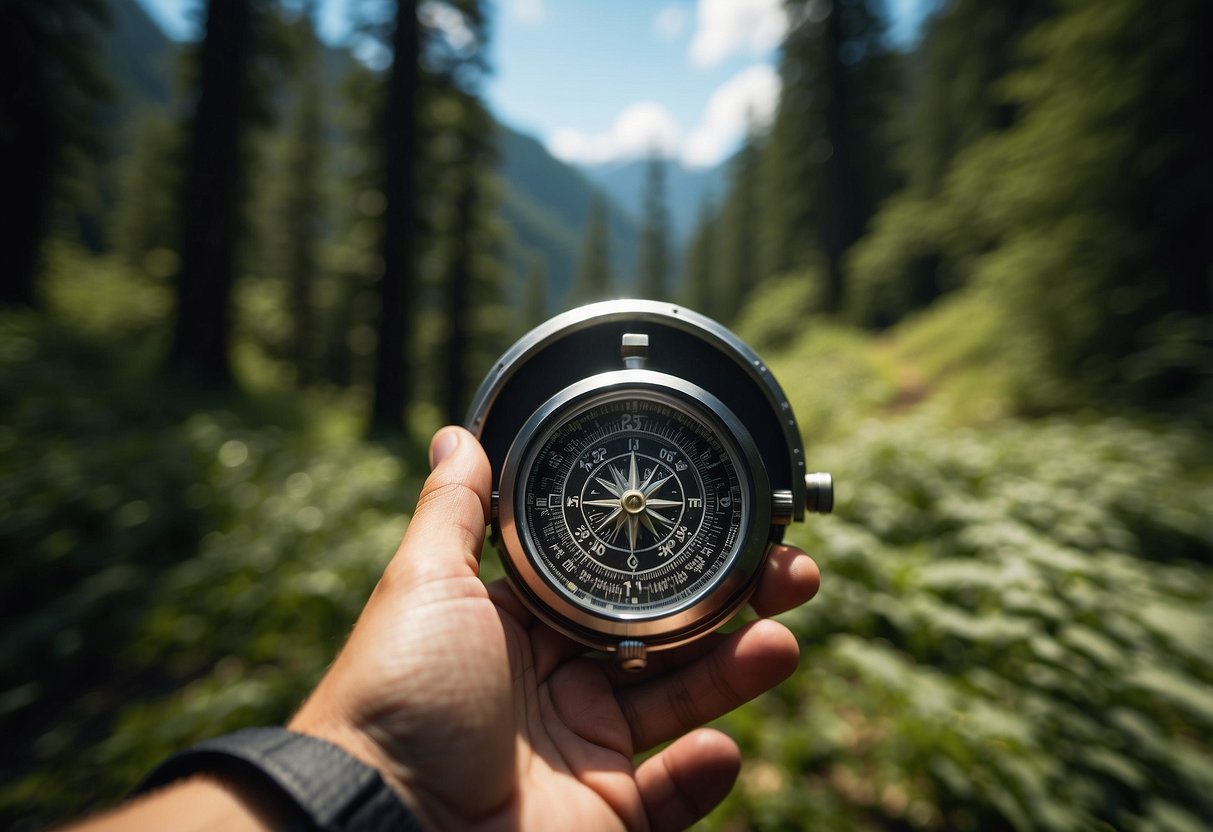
446, 533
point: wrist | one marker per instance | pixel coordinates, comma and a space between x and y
288, 774
213, 800
360, 745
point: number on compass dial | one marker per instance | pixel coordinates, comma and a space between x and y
633, 504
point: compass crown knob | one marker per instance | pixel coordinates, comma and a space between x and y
630, 655
819, 493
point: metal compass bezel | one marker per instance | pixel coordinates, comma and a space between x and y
713, 603
585, 341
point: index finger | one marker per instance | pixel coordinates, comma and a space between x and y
789, 578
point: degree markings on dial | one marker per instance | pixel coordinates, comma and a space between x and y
683, 443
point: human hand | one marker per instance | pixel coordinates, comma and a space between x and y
481, 716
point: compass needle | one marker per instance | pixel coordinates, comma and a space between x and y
609, 518
653, 488
611, 487
647, 520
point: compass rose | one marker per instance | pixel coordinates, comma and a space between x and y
632, 504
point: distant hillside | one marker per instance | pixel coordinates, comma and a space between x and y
545, 202
142, 66
685, 189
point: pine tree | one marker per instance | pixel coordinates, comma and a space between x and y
464, 231
919, 248
738, 251
535, 291
829, 165
593, 281
50, 84
212, 193
145, 216
473, 303
955, 95
653, 266
301, 212
699, 267
1098, 197
351, 296
398, 287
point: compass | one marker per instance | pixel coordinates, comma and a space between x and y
644, 460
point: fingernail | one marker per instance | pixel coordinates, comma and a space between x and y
444, 443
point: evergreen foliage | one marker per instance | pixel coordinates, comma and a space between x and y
699, 279
302, 201
535, 300
1103, 194
594, 281
654, 264
738, 239
918, 248
478, 322
828, 156
214, 183
51, 83
397, 282
145, 220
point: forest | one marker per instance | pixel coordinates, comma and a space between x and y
245, 278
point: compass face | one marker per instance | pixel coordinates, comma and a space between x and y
633, 503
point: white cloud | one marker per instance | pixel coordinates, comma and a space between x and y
527, 11
726, 27
748, 97
449, 21
671, 21
637, 131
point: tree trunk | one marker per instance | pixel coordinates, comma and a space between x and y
26, 146
835, 208
396, 285
211, 198
458, 289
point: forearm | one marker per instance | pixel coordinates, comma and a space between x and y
202, 802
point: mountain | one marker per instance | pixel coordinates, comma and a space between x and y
142, 64
544, 202
685, 189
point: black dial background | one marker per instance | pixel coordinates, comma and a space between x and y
581, 538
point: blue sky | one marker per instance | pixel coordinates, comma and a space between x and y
602, 80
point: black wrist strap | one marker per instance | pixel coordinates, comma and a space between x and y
336, 792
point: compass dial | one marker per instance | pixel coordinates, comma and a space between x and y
633, 503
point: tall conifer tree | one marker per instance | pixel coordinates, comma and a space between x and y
300, 211
699, 267
535, 291
211, 197
653, 266
50, 84
145, 217
398, 286
593, 281
738, 243
829, 165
